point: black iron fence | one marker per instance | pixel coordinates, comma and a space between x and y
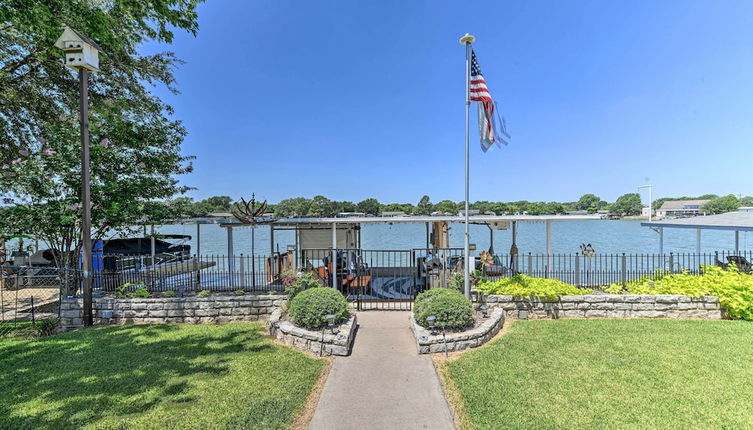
382, 279
605, 269
194, 273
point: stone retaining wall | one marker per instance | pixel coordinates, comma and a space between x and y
211, 309
321, 342
610, 306
428, 343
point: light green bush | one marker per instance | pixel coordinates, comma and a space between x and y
203, 293
310, 307
734, 289
296, 283
526, 287
457, 280
169, 293
451, 309
140, 293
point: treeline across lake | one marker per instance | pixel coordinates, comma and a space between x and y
320, 206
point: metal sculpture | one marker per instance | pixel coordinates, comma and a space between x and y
246, 211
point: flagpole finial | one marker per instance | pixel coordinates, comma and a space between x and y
467, 39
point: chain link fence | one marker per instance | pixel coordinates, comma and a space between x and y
31, 294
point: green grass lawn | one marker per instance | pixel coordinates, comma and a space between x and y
176, 376
610, 374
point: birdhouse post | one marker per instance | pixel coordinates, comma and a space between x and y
82, 54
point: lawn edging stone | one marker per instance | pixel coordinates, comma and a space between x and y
195, 310
610, 306
458, 341
321, 343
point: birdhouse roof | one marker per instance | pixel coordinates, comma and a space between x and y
70, 33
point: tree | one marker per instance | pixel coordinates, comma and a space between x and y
424, 206
535, 208
345, 206
322, 207
295, 207
398, 207
554, 208
746, 201
728, 203
627, 204
135, 153
446, 206
587, 201
219, 203
369, 207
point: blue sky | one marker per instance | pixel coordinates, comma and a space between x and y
366, 99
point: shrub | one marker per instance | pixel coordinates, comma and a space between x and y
140, 293
239, 292
169, 293
310, 307
48, 326
302, 281
121, 291
526, 286
203, 293
734, 289
451, 309
457, 280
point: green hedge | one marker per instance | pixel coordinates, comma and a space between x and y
526, 287
451, 309
310, 307
734, 289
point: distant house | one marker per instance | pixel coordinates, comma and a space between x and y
394, 213
745, 209
680, 208
471, 212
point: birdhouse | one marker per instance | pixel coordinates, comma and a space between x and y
80, 51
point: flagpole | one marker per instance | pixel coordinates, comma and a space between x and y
467, 40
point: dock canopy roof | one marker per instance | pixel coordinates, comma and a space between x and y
737, 221
475, 219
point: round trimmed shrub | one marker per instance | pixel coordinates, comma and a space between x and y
452, 310
310, 307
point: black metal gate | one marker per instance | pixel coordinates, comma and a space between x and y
383, 279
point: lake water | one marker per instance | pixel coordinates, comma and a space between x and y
606, 236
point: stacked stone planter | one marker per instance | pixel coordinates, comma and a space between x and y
321, 342
431, 343
610, 306
211, 309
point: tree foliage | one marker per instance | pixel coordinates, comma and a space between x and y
590, 203
722, 204
135, 152
369, 207
627, 204
447, 206
424, 206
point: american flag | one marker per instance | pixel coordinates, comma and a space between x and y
492, 128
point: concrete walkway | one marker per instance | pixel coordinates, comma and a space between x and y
384, 384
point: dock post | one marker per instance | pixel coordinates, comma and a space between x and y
549, 259
230, 252
698, 249
333, 272
242, 276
